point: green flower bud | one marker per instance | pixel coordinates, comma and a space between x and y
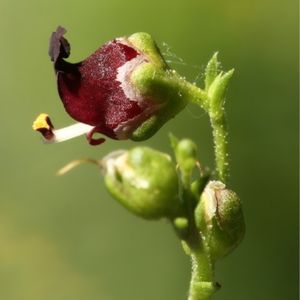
186, 155
144, 181
185, 151
220, 219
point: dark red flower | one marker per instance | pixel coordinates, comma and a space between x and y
97, 92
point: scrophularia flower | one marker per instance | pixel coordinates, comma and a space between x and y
98, 92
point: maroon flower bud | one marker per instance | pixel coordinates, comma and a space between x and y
98, 92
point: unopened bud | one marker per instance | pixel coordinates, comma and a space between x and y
186, 154
144, 181
219, 218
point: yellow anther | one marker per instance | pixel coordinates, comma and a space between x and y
41, 122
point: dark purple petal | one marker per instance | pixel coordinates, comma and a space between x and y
59, 47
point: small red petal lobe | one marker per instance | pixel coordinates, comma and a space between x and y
90, 92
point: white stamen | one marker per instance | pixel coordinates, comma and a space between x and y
70, 132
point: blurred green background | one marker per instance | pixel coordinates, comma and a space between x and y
65, 238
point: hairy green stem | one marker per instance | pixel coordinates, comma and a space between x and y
202, 285
220, 136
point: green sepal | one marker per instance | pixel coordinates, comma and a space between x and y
216, 93
211, 71
145, 44
165, 90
